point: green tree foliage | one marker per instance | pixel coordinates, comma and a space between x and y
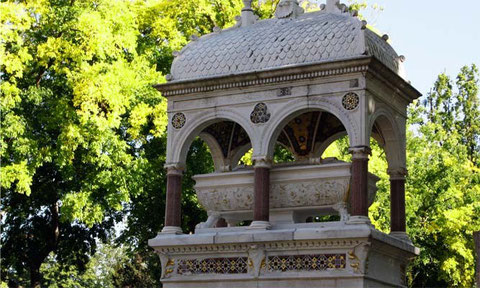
443, 185
78, 114
83, 141
443, 191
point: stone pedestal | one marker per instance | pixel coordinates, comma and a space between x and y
289, 255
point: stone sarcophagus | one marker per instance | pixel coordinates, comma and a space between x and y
297, 191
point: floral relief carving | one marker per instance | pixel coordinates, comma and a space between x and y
226, 199
323, 192
260, 114
283, 195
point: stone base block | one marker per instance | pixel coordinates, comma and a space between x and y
309, 255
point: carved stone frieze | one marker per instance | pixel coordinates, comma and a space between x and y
283, 195
234, 191
226, 198
245, 247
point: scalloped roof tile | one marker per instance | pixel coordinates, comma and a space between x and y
315, 37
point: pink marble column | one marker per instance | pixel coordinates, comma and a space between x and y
261, 206
173, 217
397, 202
359, 184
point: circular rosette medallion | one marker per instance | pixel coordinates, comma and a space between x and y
350, 101
178, 120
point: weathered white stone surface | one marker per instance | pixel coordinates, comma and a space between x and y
364, 257
261, 75
296, 192
315, 37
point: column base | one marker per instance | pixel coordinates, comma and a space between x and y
171, 230
358, 220
402, 236
261, 225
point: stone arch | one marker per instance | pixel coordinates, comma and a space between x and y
388, 136
184, 137
215, 151
321, 148
292, 110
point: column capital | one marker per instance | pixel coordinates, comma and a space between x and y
397, 173
174, 168
262, 162
360, 152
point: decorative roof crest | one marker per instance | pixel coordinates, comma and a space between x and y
288, 9
334, 6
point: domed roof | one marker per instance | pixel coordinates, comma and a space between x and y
286, 41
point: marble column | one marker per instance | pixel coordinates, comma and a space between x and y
173, 217
397, 203
261, 206
359, 185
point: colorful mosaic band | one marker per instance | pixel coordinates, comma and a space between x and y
317, 262
213, 265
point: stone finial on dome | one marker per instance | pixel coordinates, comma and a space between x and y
288, 8
334, 6
248, 17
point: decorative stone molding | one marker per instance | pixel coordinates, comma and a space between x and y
260, 114
172, 230
360, 152
262, 81
245, 247
397, 173
262, 162
174, 168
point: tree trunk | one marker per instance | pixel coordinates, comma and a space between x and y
35, 276
52, 242
476, 238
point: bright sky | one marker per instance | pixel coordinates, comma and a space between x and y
434, 35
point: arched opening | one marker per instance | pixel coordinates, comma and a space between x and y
377, 165
391, 167
210, 150
319, 190
306, 134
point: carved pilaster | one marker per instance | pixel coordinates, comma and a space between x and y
256, 260
167, 265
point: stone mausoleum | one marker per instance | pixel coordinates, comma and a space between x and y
302, 81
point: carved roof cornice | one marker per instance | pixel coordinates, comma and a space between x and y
366, 64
